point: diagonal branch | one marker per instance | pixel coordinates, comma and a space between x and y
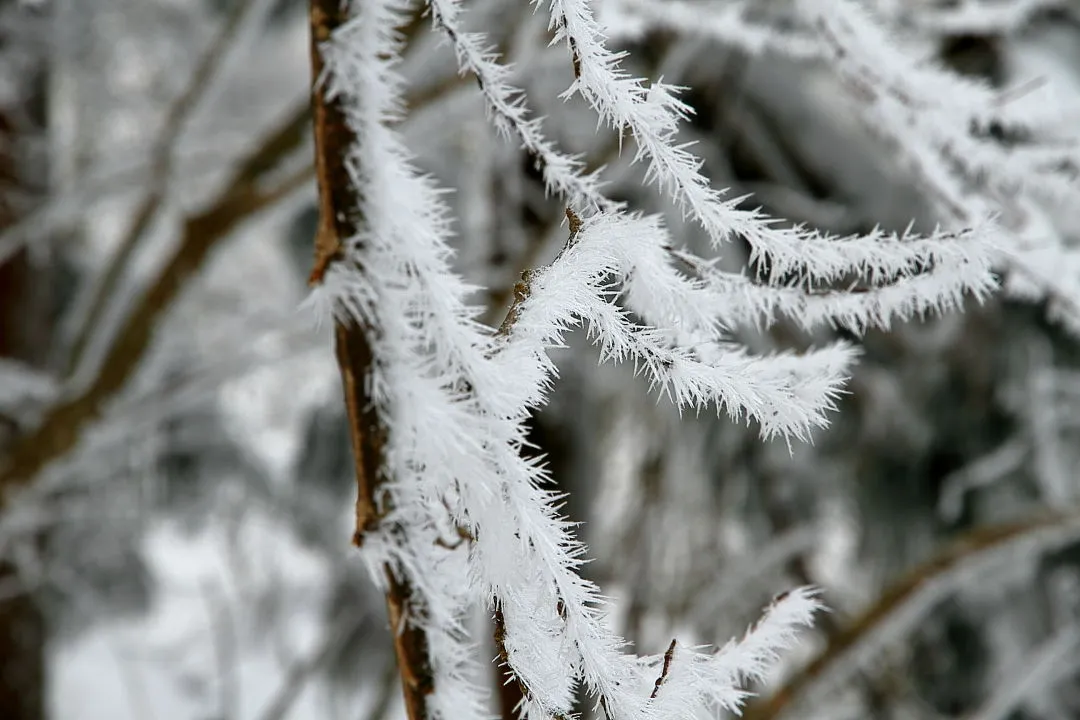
669, 655
243, 197
161, 169
904, 603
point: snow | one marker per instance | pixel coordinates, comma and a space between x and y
200, 646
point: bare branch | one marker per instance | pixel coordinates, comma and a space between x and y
669, 655
160, 174
900, 604
243, 197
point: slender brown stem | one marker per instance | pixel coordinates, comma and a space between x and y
669, 655
339, 218
337, 201
523, 287
511, 689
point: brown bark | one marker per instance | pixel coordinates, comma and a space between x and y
338, 210
22, 627
26, 323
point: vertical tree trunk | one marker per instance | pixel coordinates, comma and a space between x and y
26, 311
22, 627
337, 221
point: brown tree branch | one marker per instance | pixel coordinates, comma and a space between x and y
26, 325
669, 655
243, 197
510, 688
160, 173
923, 579
339, 207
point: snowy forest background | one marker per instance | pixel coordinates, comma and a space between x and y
180, 549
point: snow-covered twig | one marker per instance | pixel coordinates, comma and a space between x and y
652, 115
506, 108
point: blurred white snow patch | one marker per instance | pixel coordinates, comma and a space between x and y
100, 666
252, 550
21, 385
206, 649
264, 409
252, 290
835, 555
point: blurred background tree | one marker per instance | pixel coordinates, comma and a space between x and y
176, 478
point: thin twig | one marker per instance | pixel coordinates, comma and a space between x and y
575, 59
497, 299
668, 657
523, 287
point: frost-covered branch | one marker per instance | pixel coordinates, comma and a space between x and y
951, 118
652, 114
506, 108
935, 279
439, 403
977, 151
785, 394
454, 400
912, 275
337, 126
